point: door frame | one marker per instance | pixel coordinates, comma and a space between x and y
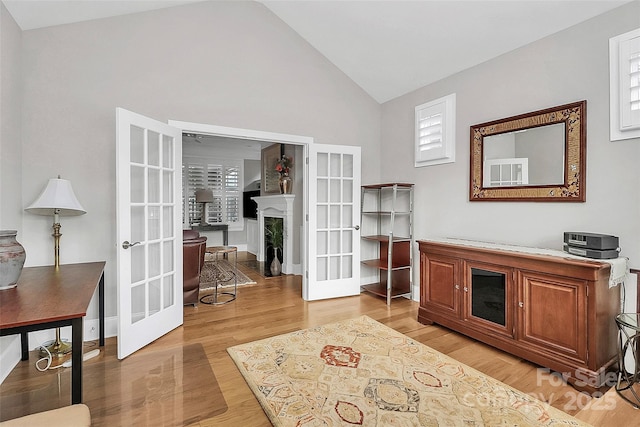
251, 134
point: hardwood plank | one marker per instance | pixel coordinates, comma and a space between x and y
271, 307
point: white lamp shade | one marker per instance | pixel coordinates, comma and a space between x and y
57, 198
204, 195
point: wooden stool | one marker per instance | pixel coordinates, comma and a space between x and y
214, 298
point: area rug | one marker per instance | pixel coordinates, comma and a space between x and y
360, 372
224, 271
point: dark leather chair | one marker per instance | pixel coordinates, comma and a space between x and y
193, 249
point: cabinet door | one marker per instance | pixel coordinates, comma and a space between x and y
489, 296
552, 314
441, 284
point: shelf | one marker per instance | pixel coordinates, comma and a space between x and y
387, 212
383, 238
380, 289
382, 264
381, 205
388, 185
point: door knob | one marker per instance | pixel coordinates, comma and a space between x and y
357, 227
127, 245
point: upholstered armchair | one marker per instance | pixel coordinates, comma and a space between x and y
193, 249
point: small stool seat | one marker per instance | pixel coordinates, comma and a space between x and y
218, 297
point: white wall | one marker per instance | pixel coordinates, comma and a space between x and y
569, 66
10, 152
225, 63
10, 124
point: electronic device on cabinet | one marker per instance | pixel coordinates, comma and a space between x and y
591, 245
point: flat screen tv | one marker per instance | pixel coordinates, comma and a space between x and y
250, 207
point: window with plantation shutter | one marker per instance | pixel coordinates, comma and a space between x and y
435, 132
224, 179
624, 59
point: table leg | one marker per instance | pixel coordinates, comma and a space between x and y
76, 360
24, 344
101, 308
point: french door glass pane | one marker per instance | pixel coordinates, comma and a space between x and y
335, 165
323, 217
347, 191
334, 216
137, 224
167, 187
153, 143
334, 267
136, 150
137, 263
167, 220
321, 265
167, 253
323, 165
154, 222
154, 259
138, 298
167, 151
154, 186
347, 169
334, 191
334, 242
155, 295
321, 245
347, 264
322, 191
137, 184
167, 286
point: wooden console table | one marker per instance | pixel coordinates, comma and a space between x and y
555, 311
47, 298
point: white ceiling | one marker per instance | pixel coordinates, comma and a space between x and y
387, 47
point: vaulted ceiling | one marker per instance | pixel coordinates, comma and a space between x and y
387, 47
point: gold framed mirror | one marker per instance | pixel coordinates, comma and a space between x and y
538, 156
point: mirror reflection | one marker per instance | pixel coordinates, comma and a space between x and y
533, 156
537, 156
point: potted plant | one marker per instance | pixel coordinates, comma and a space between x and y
275, 234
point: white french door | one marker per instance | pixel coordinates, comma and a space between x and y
334, 222
149, 257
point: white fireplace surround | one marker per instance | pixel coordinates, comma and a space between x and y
277, 206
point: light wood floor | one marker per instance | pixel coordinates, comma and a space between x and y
272, 307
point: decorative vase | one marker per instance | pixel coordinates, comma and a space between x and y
286, 183
12, 256
276, 267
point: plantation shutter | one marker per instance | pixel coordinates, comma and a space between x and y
224, 180
630, 83
232, 193
430, 135
435, 132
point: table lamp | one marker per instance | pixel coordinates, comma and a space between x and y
57, 199
204, 196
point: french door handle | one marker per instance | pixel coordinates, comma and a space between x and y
127, 245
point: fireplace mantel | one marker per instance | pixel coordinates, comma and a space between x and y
277, 206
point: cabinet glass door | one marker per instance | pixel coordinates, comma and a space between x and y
487, 291
488, 295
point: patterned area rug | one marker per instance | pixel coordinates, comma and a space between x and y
360, 372
224, 271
